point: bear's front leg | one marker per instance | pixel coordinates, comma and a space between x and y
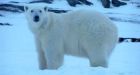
54, 54
41, 55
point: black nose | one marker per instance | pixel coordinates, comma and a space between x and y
36, 18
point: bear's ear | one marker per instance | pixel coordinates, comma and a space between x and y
26, 8
46, 8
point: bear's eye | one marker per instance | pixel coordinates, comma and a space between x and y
32, 11
40, 11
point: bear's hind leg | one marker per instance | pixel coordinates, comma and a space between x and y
97, 57
97, 63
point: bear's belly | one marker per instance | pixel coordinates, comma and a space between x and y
72, 47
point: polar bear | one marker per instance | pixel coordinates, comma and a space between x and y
84, 33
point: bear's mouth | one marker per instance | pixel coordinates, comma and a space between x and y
36, 18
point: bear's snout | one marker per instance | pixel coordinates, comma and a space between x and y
36, 18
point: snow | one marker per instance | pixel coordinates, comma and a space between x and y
18, 55
5, 1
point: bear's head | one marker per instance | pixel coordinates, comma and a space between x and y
36, 15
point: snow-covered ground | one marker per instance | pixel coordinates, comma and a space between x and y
18, 55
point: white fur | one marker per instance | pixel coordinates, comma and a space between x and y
84, 33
